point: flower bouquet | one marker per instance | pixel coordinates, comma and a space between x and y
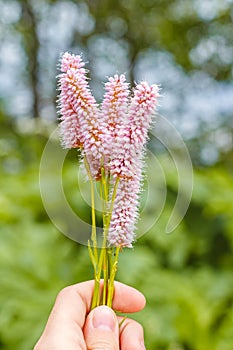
112, 138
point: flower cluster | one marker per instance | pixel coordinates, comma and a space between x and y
112, 136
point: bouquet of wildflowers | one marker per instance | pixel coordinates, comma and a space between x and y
112, 139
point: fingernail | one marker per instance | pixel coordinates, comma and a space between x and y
104, 318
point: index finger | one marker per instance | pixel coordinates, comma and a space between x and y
74, 302
125, 299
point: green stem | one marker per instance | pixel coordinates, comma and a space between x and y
112, 277
105, 184
96, 293
104, 190
93, 251
110, 262
93, 232
105, 268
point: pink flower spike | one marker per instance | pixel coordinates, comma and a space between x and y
69, 126
114, 110
127, 163
81, 123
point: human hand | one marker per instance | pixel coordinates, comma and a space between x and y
72, 326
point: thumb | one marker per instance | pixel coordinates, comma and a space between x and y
101, 329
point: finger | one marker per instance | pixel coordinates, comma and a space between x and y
131, 335
74, 302
101, 329
127, 299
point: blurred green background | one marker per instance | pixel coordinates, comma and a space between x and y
187, 47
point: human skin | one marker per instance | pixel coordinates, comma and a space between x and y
72, 326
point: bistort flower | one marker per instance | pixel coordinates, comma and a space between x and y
128, 164
81, 124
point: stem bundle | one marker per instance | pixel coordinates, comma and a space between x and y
105, 259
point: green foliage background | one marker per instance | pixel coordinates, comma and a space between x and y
186, 276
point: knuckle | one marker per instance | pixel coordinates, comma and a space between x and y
65, 291
101, 346
107, 343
